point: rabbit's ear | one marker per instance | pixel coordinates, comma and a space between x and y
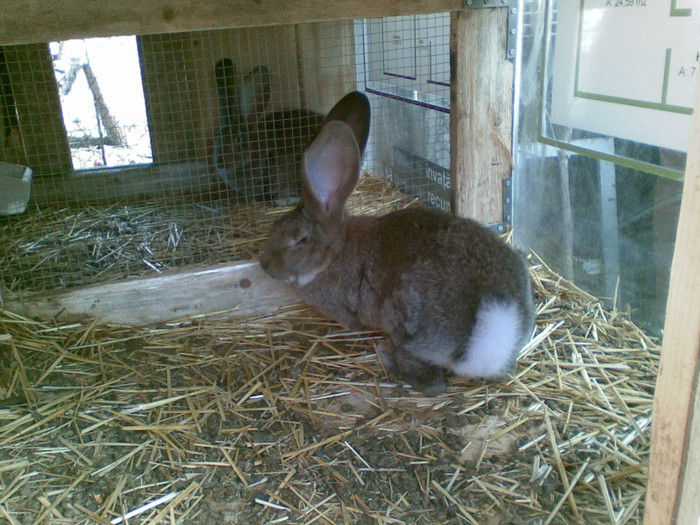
225, 76
354, 110
254, 92
331, 167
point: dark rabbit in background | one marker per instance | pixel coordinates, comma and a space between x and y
448, 293
258, 154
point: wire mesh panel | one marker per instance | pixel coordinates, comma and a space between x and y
168, 150
406, 67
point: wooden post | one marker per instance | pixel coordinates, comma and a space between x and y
327, 70
673, 494
31, 75
481, 110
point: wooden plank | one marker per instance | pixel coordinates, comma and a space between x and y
25, 21
327, 61
689, 503
243, 288
169, 84
481, 122
11, 147
43, 136
112, 184
674, 473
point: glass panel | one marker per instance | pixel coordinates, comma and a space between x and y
591, 204
602, 80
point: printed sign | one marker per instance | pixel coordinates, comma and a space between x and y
419, 176
627, 68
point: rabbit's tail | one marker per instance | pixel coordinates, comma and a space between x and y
497, 336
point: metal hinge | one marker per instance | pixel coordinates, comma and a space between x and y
502, 227
512, 6
507, 185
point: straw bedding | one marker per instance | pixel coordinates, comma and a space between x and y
290, 418
62, 247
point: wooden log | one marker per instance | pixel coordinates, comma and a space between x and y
673, 494
25, 21
113, 131
481, 121
242, 289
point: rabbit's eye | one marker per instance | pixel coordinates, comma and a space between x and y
301, 240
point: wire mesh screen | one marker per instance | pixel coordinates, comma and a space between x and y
164, 151
407, 70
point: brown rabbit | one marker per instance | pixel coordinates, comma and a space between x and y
258, 154
447, 292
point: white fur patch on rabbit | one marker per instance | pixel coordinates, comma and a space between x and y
495, 337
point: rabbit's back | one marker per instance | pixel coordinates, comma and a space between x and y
461, 299
276, 145
443, 256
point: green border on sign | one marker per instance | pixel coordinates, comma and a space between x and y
627, 162
675, 11
658, 106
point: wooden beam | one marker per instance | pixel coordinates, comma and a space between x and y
673, 494
242, 289
481, 112
111, 184
24, 21
689, 497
